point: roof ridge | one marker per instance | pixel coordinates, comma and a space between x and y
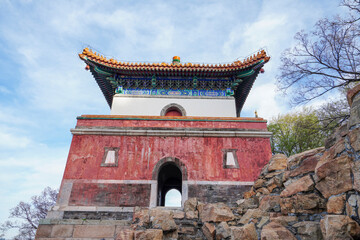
88, 54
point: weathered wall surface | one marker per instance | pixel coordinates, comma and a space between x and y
94, 194
138, 155
211, 193
198, 144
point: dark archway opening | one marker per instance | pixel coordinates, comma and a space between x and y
170, 177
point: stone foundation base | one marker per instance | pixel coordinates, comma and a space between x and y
81, 229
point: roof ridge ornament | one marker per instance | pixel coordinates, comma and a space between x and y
176, 60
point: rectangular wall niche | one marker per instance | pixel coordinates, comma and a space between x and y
230, 159
110, 158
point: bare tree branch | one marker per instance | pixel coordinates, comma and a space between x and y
324, 59
354, 6
28, 215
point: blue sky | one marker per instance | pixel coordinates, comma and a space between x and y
43, 84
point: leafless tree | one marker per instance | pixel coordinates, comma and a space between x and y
324, 59
28, 215
354, 7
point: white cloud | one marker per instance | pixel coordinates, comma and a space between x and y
263, 99
4, 90
27, 171
12, 115
9, 140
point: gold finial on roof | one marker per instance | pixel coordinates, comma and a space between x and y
176, 60
256, 114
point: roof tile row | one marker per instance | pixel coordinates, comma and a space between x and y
88, 54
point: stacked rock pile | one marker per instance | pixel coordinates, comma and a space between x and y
314, 194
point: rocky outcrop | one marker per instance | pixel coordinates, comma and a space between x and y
339, 227
218, 212
311, 195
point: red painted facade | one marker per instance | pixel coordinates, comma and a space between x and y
140, 156
202, 156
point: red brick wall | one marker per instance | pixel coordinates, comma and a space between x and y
202, 156
114, 195
138, 156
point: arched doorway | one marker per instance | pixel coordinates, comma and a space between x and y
169, 173
169, 177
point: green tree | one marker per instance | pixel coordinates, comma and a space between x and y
296, 132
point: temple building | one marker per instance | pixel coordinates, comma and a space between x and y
172, 126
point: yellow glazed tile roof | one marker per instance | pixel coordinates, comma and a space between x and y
89, 55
